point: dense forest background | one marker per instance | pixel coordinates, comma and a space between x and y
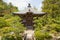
48, 26
45, 27
10, 25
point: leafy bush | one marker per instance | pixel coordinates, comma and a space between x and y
3, 23
11, 27
11, 37
39, 35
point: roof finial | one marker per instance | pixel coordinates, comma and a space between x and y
29, 5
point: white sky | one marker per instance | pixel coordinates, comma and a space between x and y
21, 4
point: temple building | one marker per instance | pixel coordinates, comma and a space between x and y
27, 16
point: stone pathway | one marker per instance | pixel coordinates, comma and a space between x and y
29, 34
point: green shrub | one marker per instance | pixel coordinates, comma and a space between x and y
42, 36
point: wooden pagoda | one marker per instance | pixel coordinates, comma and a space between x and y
27, 16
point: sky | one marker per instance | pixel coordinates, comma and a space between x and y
21, 4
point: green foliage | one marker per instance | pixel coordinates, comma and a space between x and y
52, 7
11, 37
39, 35
6, 8
49, 23
11, 27
3, 23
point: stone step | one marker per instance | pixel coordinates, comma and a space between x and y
29, 35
